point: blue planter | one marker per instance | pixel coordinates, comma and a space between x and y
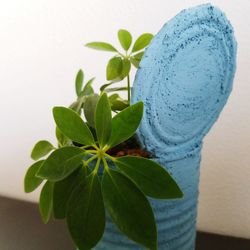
185, 78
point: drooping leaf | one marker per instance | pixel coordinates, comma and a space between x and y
114, 68
104, 86
129, 209
116, 89
62, 139
63, 190
117, 103
125, 38
101, 46
46, 201
142, 41
79, 82
31, 182
86, 214
88, 90
89, 109
150, 177
61, 163
125, 124
103, 120
71, 124
41, 149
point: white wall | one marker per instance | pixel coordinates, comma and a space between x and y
41, 48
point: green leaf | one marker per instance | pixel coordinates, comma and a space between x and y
79, 82
126, 65
101, 46
71, 125
116, 89
41, 149
125, 124
61, 163
139, 55
129, 209
88, 90
117, 103
31, 182
103, 120
62, 139
136, 59
125, 38
104, 86
114, 68
76, 106
150, 177
86, 214
89, 109
135, 62
46, 201
142, 41
63, 190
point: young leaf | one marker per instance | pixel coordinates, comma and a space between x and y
88, 90
41, 149
71, 124
89, 109
101, 46
31, 182
150, 177
46, 201
125, 39
129, 209
114, 68
86, 214
61, 163
125, 124
79, 82
142, 41
63, 190
103, 120
62, 139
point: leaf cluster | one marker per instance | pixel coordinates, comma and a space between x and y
81, 180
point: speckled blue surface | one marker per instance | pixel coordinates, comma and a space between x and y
184, 79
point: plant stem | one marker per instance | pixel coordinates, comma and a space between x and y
90, 159
128, 81
97, 165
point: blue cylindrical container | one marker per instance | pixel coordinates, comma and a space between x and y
184, 80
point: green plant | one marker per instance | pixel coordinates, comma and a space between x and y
83, 180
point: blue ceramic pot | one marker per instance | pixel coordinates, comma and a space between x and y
184, 79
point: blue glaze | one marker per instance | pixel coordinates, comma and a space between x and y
185, 78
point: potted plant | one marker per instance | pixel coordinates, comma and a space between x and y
112, 152
98, 168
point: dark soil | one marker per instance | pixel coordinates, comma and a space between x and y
129, 147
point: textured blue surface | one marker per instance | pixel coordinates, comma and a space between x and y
184, 79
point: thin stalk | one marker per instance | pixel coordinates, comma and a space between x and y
128, 82
110, 157
97, 165
106, 167
90, 159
